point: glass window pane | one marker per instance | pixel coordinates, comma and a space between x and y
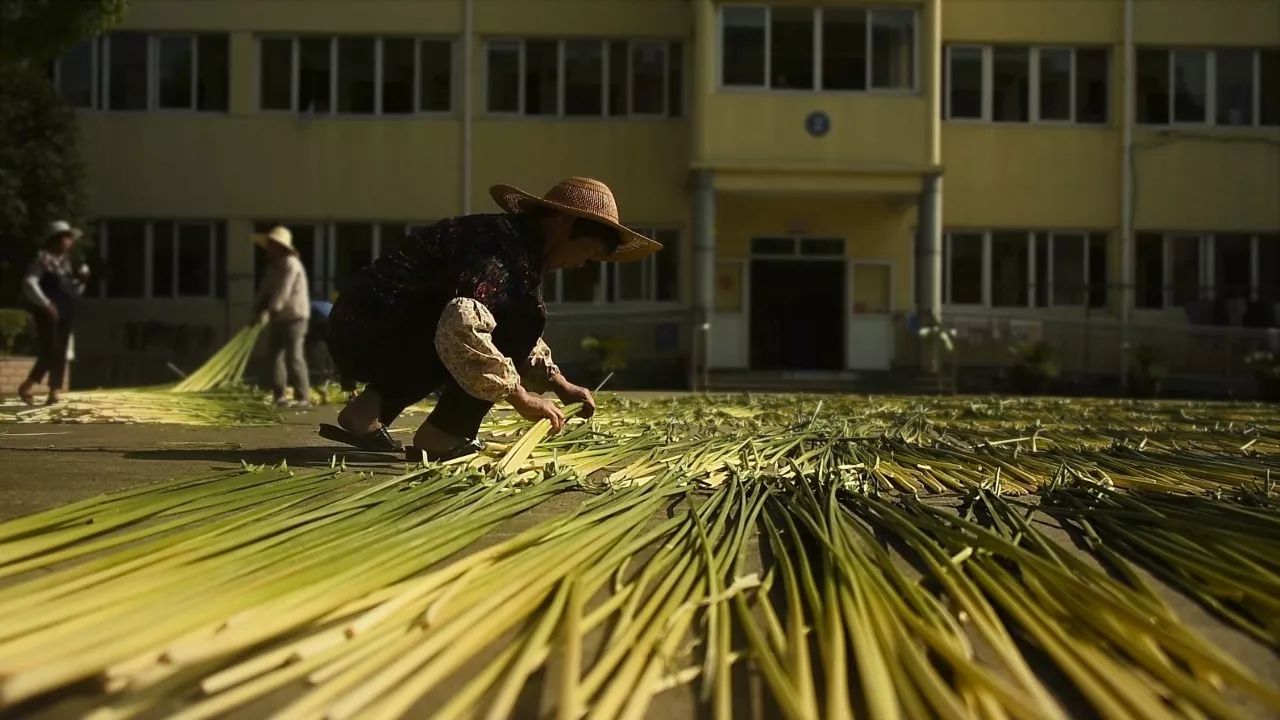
435, 92
742, 62
1009, 281
1269, 268
648, 68
126, 248
583, 77
964, 83
1011, 91
220, 259
871, 289
844, 48
1153, 87
675, 79
667, 265
1055, 84
1269, 79
314, 75
397, 75
275, 78
1097, 270
75, 75
581, 284
541, 65
1149, 266
618, 59
893, 49
356, 80
504, 77
1235, 87
353, 250
174, 63
1068, 270
1042, 270
1186, 269
631, 285
1232, 267
964, 255
1091, 85
195, 277
128, 71
791, 47
213, 74
822, 246
1191, 86
773, 246
162, 259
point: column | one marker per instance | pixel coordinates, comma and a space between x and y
929, 263
704, 259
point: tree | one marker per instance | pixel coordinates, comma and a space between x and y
37, 31
41, 170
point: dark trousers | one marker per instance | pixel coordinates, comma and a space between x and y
52, 338
288, 362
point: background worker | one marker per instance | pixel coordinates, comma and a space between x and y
283, 304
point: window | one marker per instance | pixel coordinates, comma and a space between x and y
791, 48
1011, 85
355, 75
654, 279
351, 249
1026, 84
613, 77
964, 268
1019, 269
163, 259
332, 253
964, 83
137, 71
1177, 270
1228, 87
829, 48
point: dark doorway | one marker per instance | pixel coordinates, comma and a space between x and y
796, 318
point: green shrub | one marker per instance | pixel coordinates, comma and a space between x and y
13, 323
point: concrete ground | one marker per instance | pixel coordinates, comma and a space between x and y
42, 466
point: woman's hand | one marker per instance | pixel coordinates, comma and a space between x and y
570, 393
52, 311
535, 407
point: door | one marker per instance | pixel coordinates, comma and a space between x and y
871, 322
797, 319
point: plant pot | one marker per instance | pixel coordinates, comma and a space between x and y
14, 369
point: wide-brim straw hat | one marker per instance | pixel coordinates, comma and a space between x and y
585, 198
62, 227
279, 235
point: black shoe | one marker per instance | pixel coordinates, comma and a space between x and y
374, 441
463, 449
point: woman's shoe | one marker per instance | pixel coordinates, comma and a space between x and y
378, 440
24, 393
462, 449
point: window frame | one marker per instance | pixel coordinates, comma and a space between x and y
378, 76
606, 67
153, 59
1033, 284
97, 75
1206, 259
100, 79
608, 281
216, 230
818, 86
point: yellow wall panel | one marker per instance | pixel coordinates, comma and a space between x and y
1029, 21
1220, 183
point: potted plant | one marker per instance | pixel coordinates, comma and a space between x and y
1147, 371
1034, 368
1266, 370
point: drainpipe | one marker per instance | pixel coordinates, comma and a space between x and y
1127, 292
704, 258
468, 35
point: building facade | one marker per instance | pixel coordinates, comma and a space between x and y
819, 172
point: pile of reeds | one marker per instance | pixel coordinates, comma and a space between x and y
857, 558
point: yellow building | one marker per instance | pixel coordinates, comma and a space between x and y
818, 171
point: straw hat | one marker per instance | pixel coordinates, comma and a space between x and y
584, 198
280, 235
62, 227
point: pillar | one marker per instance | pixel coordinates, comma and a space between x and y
704, 259
929, 263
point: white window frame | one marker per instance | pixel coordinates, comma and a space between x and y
1034, 86
1207, 270
148, 252
154, 61
608, 278
100, 82
296, 69
1050, 277
818, 86
985, 91
1033, 284
1212, 89
985, 287
96, 76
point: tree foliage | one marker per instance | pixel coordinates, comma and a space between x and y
37, 31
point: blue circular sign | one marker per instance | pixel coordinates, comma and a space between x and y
817, 123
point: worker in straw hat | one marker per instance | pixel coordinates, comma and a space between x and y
457, 309
284, 305
51, 287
